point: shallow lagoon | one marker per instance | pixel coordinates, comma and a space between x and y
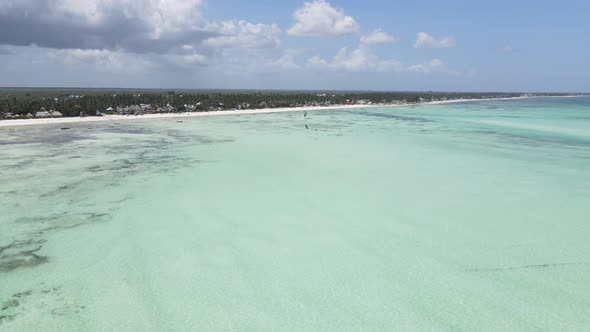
469, 216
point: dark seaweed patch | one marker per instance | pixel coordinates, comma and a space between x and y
89, 218
535, 141
54, 228
24, 253
96, 216
12, 303
24, 162
44, 219
48, 291
19, 303
6, 318
123, 200
67, 310
156, 163
526, 267
63, 138
486, 132
128, 130
21, 254
60, 190
393, 116
152, 153
22, 294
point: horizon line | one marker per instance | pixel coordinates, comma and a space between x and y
285, 90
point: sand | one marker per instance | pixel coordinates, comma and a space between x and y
66, 120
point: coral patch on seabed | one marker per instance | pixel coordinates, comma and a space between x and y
49, 299
21, 254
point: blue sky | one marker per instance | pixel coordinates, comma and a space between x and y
322, 44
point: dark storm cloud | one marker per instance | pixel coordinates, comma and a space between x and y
37, 23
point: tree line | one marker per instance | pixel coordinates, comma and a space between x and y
73, 105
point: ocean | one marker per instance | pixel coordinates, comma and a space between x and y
467, 216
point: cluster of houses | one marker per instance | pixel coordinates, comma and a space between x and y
43, 113
142, 109
48, 114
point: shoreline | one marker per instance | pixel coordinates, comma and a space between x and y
48, 121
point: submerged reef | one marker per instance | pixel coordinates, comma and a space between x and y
21, 254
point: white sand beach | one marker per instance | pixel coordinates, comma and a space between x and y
66, 120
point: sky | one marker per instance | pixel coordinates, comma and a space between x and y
453, 45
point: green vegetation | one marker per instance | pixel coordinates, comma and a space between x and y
72, 102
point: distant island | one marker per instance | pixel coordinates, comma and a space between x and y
22, 103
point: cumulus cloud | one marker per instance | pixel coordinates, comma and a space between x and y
378, 37
102, 60
353, 61
425, 40
244, 34
319, 18
133, 26
136, 26
259, 62
122, 62
361, 60
427, 67
127, 36
286, 61
194, 59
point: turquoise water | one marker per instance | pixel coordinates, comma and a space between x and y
469, 216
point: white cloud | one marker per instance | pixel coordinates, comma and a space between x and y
317, 62
103, 60
260, 62
164, 36
378, 37
194, 59
425, 40
244, 34
319, 18
134, 35
361, 60
160, 15
427, 67
286, 62
122, 62
355, 61
146, 26
98, 24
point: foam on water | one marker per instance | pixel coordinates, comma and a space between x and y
468, 216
